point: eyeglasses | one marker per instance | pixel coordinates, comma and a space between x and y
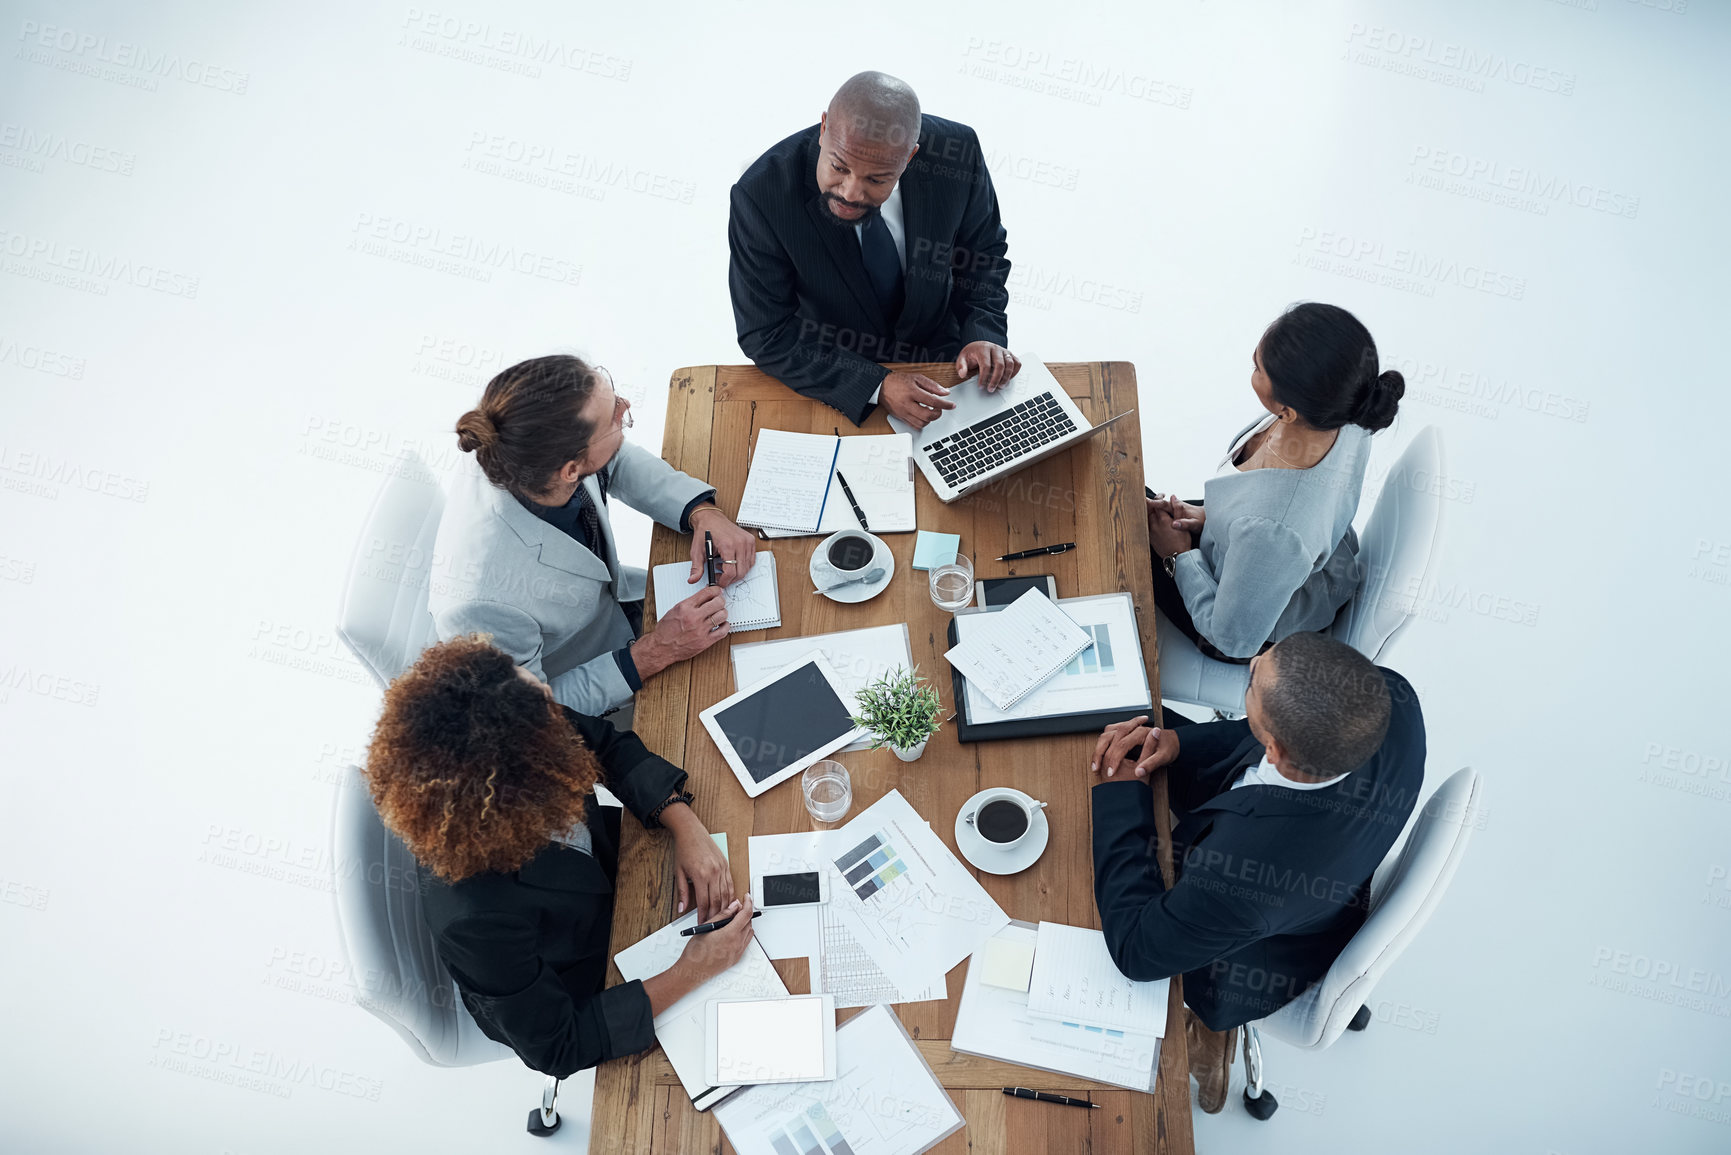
620, 405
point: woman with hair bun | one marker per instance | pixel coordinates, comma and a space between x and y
1271, 550
526, 545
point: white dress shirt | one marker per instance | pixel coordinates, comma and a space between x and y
1264, 774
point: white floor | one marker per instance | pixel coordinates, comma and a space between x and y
225, 311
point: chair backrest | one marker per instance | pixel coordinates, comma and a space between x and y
1403, 895
1189, 675
383, 617
1396, 547
392, 958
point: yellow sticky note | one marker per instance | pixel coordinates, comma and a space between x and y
1007, 964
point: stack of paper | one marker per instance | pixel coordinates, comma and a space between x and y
1007, 654
884, 1100
857, 657
996, 1020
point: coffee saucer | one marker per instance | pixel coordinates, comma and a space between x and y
823, 574
992, 858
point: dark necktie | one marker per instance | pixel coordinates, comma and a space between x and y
591, 522
883, 268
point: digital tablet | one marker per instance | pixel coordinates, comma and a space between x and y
773, 729
786, 1040
989, 592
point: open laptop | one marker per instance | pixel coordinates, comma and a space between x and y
989, 435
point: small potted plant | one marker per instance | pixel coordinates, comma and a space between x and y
902, 710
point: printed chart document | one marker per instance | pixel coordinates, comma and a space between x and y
858, 658
884, 1100
910, 904
1107, 676
879, 469
994, 1023
1010, 653
838, 965
1076, 979
680, 1028
752, 602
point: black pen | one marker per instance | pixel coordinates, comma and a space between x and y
1045, 1097
705, 928
711, 565
1063, 547
857, 511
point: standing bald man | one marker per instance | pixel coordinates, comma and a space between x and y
871, 236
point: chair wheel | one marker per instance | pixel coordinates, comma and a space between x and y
1360, 1020
1262, 1106
536, 1127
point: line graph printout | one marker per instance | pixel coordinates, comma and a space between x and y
905, 898
1076, 981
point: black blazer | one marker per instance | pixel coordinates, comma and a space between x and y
528, 949
1271, 882
804, 309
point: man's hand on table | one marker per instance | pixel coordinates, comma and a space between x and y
1133, 749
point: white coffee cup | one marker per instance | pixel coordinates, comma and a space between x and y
1007, 823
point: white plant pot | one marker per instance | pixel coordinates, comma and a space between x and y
909, 753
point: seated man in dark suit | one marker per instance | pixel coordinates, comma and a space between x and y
1279, 821
491, 784
871, 236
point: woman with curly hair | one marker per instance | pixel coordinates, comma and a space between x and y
491, 785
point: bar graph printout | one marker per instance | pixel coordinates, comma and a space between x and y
1075, 981
907, 900
884, 1100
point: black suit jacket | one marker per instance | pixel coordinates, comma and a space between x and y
1271, 882
528, 949
805, 311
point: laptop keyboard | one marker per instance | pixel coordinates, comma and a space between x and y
1000, 438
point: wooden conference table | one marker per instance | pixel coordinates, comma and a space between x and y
1092, 495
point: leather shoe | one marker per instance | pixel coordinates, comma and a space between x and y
1211, 1056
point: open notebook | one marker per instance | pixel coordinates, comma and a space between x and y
791, 487
752, 601
1010, 653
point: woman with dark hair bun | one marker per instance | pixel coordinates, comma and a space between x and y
1271, 551
529, 545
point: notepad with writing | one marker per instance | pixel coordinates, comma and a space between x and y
752, 602
792, 488
1008, 654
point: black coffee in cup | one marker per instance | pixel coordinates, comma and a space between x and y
850, 553
1001, 820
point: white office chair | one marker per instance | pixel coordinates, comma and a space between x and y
1396, 549
392, 958
383, 617
1404, 892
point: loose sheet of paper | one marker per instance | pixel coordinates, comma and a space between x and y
912, 906
680, 1028
1076, 979
1107, 676
788, 932
879, 470
884, 1100
788, 480
858, 657
994, 1022
1009, 652
753, 602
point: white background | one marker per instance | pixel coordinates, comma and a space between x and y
184, 477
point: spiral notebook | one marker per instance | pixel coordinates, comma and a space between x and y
752, 601
1009, 654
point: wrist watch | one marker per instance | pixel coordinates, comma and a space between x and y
1170, 562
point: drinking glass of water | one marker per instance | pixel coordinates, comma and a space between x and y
952, 584
828, 790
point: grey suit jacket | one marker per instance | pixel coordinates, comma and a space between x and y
1277, 554
546, 600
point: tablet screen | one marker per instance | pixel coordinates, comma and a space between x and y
785, 721
770, 1040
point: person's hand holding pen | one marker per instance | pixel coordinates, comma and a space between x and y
704, 957
736, 548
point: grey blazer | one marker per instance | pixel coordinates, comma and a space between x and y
549, 602
1278, 555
